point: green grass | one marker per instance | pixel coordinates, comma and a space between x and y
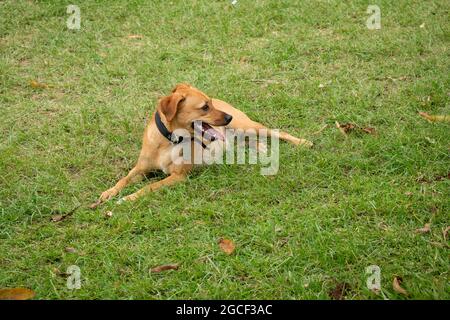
329, 212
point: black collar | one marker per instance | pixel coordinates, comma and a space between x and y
170, 135
165, 132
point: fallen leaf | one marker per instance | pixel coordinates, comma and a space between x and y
369, 130
125, 271
38, 85
396, 286
266, 81
396, 79
244, 59
341, 130
58, 272
442, 177
383, 226
426, 228
226, 245
134, 36
340, 291
165, 267
16, 294
57, 217
445, 232
70, 250
435, 118
348, 127
422, 25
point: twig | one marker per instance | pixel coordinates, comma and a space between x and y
320, 130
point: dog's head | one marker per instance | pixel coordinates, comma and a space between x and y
187, 107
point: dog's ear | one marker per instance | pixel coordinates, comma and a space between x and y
181, 86
169, 105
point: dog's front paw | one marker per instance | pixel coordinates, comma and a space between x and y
131, 197
108, 194
105, 196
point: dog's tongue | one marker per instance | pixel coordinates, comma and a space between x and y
209, 133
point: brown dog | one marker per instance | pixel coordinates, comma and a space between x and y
180, 110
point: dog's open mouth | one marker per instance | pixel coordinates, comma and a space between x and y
208, 132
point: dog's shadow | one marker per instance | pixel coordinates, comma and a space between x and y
152, 175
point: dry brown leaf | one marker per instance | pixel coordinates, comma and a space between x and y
402, 78
16, 294
396, 286
165, 267
38, 85
445, 232
57, 217
369, 130
435, 118
226, 245
348, 127
442, 177
340, 291
70, 250
426, 228
134, 36
341, 130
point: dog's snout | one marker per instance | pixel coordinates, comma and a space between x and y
228, 118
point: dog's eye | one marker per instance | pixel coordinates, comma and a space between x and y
205, 107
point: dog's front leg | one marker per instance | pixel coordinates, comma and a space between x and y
170, 180
135, 175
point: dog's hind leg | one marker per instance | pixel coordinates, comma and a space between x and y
242, 121
246, 123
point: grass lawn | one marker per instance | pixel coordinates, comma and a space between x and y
329, 213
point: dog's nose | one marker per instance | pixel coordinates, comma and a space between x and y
228, 118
